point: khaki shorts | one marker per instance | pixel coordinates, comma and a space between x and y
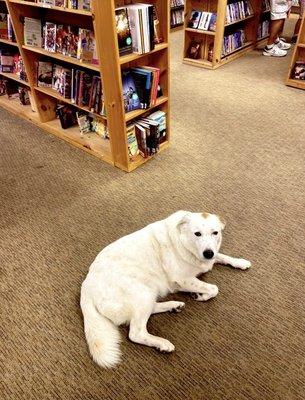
279, 9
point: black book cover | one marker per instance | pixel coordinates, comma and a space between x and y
123, 31
67, 116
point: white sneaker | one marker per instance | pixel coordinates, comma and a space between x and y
282, 44
275, 51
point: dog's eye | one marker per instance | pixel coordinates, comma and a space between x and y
215, 233
197, 234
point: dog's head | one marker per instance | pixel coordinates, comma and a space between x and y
201, 234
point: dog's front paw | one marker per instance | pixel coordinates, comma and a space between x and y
210, 292
165, 346
242, 264
178, 306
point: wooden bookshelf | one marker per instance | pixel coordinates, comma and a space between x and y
298, 55
102, 20
214, 39
173, 9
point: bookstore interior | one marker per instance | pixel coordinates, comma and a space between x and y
118, 107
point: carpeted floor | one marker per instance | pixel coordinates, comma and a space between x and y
237, 149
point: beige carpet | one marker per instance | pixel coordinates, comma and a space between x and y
237, 149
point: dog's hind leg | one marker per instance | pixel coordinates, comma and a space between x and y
171, 306
138, 330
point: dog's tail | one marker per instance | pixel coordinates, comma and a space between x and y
102, 336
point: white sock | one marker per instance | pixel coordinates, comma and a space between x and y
269, 46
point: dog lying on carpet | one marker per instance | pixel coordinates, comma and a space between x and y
128, 277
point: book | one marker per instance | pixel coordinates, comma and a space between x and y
32, 32
130, 95
193, 50
86, 50
132, 143
194, 19
83, 121
44, 74
123, 31
67, 116
3, 25
299, 70
50, 37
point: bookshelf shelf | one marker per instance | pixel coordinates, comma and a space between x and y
8, 42
14, 77
298, 56
211, 44
53, 93
200, 31
137, 113
62, 9
61, 57
133, 56
239, 20
44, 100
176, 16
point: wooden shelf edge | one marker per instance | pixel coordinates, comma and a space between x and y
61, 57
134, 56
200, 31
8, 42
137, 113
296, 83
15, 78
198, 63
243, 47
63, 9
240, 20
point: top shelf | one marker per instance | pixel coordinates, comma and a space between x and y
63, 9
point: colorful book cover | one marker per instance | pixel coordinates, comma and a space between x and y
32, 32
44, 74
3, 26
130, 95
123, 31
132, 143
50, 37
86, 45
194, 19
212, 25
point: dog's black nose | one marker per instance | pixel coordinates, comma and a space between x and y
208, 254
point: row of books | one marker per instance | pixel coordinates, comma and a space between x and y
72, 4
6, 28
135, 28
233, 42
202, 20
12, 62
145, 135
58, 38
13, 91
238, 10
141, 87
177, 3
177, 17
263, 29
299, 70
81, 88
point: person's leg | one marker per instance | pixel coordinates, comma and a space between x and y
276, 27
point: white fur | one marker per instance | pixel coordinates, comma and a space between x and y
128, 276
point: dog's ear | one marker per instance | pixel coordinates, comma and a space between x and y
222, 222
179, 218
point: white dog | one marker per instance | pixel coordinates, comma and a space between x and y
128, 277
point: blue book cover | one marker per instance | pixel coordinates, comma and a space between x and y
130, 95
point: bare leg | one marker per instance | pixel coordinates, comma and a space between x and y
276, 27
171, 306
138, 331
234, 262
202, 291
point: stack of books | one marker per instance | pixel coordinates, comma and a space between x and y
177, 12
73, 4
141, 87
12, 62
233, 42
58, 38
238, 10
79, 87
145, 135
202, 20
6, 28
263, 29
137, 28
299, 70
14, 91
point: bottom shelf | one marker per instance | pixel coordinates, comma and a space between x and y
244, 46
198, 62
297, 83
140, 160
91, 143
